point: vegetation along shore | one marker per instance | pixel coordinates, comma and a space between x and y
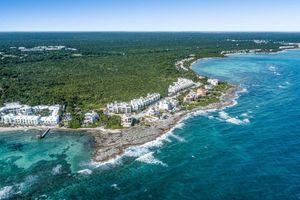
123, 89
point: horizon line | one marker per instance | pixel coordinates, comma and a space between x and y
141, 31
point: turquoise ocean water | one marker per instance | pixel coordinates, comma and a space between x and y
249, 151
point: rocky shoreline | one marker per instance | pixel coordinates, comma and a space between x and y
109, 145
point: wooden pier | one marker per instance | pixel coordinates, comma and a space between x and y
44, 134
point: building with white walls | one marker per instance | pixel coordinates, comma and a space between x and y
119, 108
153, 111
213, 82
180, 85
127, 121
134, 105
24, 115
165, 105
90, 117
143, 102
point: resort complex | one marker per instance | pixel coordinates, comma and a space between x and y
150, 107
44, 48
90, 117
138, 100
134, 105
15, 114
181, 84
194, 95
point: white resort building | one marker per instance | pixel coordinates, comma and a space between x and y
133, 105
142, 103
213, 82
90, 117
153, 111
127, 121
168, 104
11, 107
119, 108
24, 115
27, 120
181, 84
165, 105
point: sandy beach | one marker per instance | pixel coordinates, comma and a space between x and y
21, 128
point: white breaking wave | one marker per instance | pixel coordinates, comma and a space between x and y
238, 121
150, 159
204, 113
178, 138
274, 70
284, 85
6, 192
247, 121
29, 181
136, 151
140, 150
223, 115
112, 162
19, 188
233, 120
244, 115
167, 140
85, 171
56, 170
143, 153
115, 186
281, 86
180, 125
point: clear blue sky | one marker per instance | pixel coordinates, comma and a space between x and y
149, 15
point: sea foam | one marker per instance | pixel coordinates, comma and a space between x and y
115, 186
244, 115
233, 120
144, 149
150, 159
6, 192
273, 69
143, 152
281, 86
85, 171
56, 170
18, 188
28, 182
223, 115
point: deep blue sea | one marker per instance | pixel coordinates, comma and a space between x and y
248, 151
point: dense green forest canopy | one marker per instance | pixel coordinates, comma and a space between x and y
108, 66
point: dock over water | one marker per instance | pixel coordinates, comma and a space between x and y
44, 134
